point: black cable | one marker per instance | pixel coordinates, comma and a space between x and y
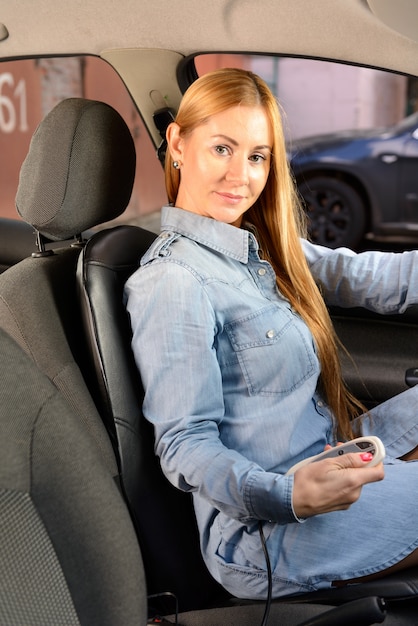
269, 576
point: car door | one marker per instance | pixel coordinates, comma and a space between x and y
380, 355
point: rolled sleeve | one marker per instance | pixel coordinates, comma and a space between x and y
263, 493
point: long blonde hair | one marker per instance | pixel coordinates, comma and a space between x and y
279, 221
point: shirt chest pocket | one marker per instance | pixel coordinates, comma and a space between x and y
274, 350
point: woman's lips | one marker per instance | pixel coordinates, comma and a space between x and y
230, 197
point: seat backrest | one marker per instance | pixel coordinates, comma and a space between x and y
79, 172
163, 515
68, 549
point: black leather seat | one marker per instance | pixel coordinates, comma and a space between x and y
163, 515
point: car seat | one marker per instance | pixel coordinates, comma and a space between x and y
78, 172
164, 515
68, 550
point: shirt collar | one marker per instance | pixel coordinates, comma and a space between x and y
225, 238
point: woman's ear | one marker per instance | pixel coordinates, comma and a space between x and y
174, 141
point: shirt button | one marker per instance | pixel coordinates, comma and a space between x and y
165, 235
261, 271
270, 334
320, 403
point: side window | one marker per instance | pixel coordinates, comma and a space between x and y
352, 139
324, 96
29, 89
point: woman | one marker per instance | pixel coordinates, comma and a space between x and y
239, 361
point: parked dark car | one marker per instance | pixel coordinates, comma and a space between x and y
358, 182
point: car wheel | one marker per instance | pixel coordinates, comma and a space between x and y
336, 212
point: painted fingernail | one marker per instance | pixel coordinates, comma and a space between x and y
366, 456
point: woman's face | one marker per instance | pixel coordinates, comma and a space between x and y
224, 163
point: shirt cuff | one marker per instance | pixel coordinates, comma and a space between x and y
268, 496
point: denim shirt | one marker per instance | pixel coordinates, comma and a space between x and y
230, 369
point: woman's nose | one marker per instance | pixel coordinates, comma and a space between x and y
238, 170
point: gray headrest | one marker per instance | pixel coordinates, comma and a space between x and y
79, 170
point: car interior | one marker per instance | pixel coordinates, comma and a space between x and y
92, 532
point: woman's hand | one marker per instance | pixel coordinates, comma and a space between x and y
332, 484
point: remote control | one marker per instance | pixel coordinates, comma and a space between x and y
361, 444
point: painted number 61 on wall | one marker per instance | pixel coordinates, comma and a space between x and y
13, 104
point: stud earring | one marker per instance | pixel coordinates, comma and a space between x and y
176, 165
